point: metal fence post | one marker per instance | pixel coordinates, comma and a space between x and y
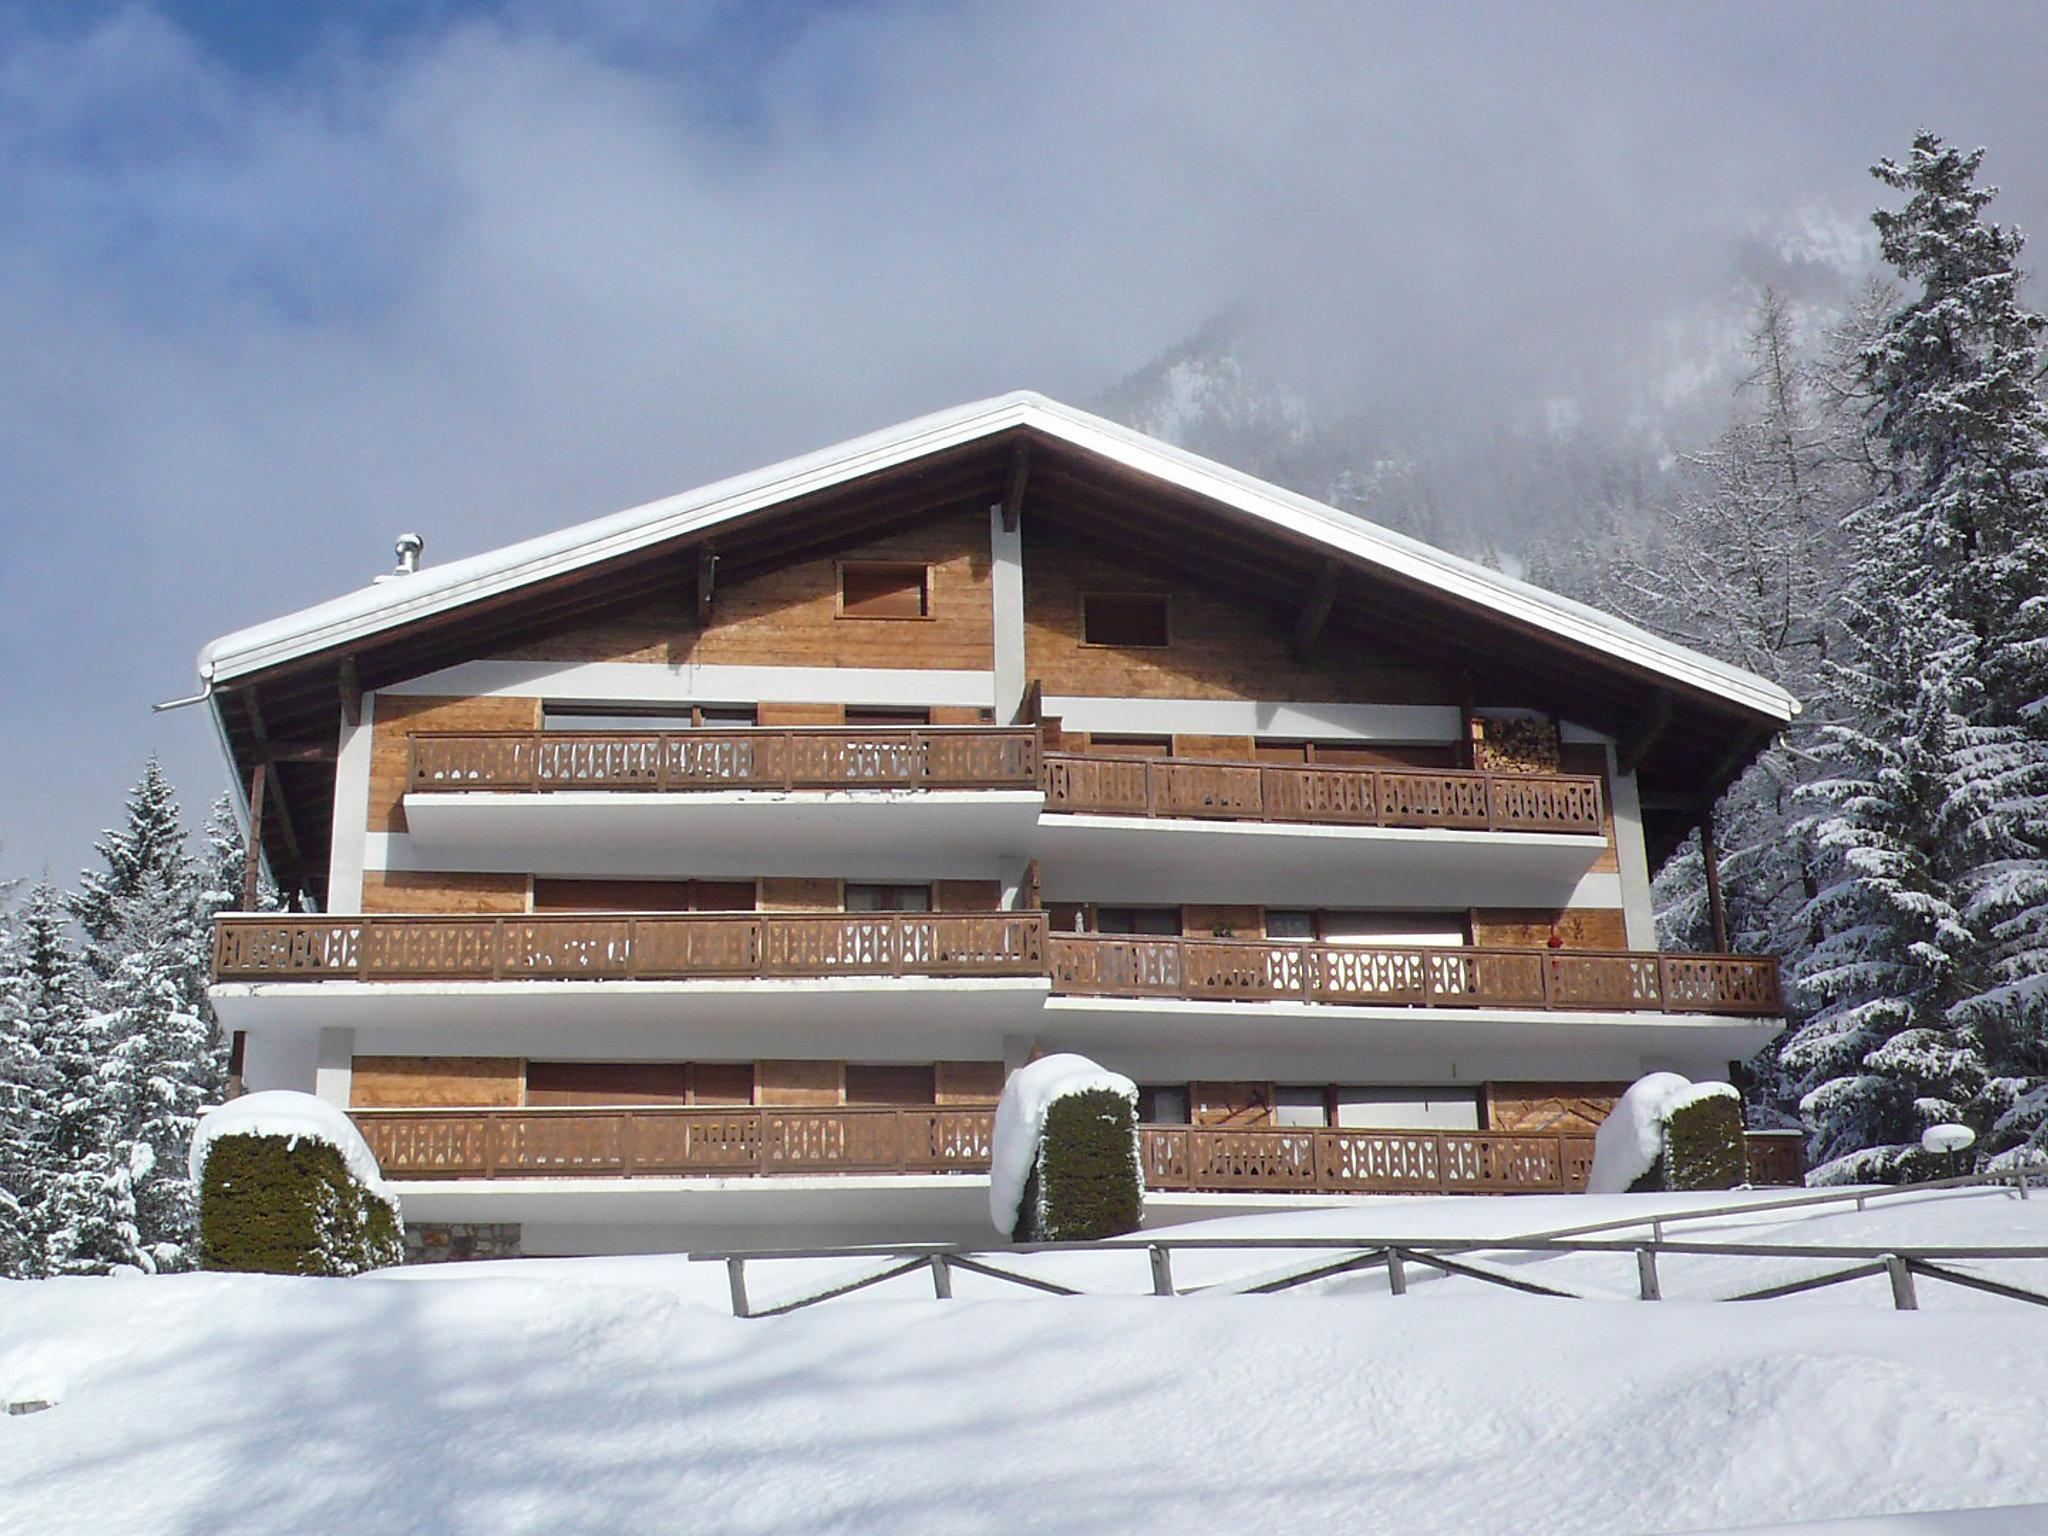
1901, 1275
736, 1280
1646, 1274
942, 1277
1397, 1273
1162, 1270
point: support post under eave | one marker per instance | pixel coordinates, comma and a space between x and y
252, 856
1710, 861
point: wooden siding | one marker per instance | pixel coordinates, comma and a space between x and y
1591, 757
1530, 927
442, 891
1215, 922
788, 615
966, 895
399, 715
782, 893
970, 1082
1550, 1106
1231, 1103
799, 1082
452, 1082
772, 713
1222, 646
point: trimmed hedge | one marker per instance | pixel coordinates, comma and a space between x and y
1704, 1147
1085, 1182
281, 1205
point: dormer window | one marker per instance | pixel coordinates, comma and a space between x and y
892, 590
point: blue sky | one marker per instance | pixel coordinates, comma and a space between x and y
280, 280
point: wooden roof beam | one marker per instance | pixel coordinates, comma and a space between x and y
1013, 491
1650, 725
286, 831
1315, 612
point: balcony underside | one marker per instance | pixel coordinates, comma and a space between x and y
1128, 859
882, 1018
957, 834
724, 834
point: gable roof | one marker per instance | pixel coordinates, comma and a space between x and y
374, 610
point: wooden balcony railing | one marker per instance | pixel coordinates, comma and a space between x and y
1316, 1161
1449, 798
1261, 970
758, 945
651, 947
1003, 757
934, 757
673, 1142
664, 1142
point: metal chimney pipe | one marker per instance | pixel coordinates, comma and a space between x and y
410, 546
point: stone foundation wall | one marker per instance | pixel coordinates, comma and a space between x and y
452, 1242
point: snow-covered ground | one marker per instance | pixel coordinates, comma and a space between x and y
619, 1395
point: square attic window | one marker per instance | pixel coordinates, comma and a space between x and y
1123, 618
885, 591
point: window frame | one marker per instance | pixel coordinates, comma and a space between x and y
925, 599
1165, 601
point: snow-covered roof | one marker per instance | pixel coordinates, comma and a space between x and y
388, 604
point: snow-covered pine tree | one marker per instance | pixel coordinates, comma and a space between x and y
1927, 974
79, 1218
152, 842
163, 1061
146, 950
22, 1080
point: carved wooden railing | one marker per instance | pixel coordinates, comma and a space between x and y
1260, 970
1307, 1160
684, 946
650, 947
1002, 757
673, 1142
669, 1142
1450, 798
828, 757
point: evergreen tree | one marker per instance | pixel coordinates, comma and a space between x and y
145, 919
1928, 974
151, 844
163, 1062
75, 1213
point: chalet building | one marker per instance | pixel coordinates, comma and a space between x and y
695, 875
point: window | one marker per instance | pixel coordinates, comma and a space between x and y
885, 591
888, 898
1123, 618
622, 717
1163, 1104
1303, 1106
906, 1086
872, 719
1437, 1109
1282, 924
1414, 930
1162, 921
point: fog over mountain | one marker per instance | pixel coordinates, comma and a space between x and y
1501, 468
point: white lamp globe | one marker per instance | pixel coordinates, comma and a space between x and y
1948, 1138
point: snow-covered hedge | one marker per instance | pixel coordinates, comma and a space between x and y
288, 1187
1669, 1132
1066, 1153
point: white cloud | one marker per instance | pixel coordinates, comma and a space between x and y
508, 270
